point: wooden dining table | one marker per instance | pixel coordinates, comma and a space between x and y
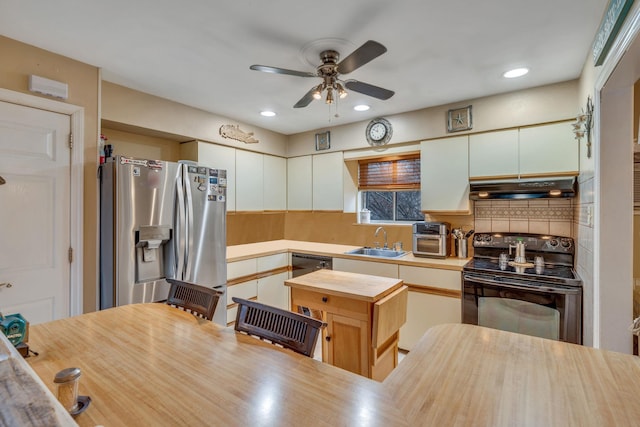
154, 365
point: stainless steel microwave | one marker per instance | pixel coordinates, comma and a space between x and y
431, 239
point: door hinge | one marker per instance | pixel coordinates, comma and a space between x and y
70, 140
70, 255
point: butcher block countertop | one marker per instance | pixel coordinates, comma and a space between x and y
252, 250
351, 285
151, 364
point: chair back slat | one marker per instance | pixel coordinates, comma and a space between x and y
290, 330
201, 301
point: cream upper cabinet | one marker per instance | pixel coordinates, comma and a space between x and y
444, 174
249, 174
217, 157
494, 154
328, 176
275, 183
548, 150
299, 183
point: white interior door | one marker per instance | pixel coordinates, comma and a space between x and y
34, 213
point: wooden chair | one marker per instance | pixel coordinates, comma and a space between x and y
286, 328
198, 300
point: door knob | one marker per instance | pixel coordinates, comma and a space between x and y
6, 284
2, 181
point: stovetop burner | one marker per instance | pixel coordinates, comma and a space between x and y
561, 273
557, 252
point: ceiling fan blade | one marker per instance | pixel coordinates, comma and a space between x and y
365, 53
276, 70
367, 89
306, 99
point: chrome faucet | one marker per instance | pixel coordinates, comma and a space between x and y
386, 245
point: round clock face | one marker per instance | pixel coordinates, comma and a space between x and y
378, 132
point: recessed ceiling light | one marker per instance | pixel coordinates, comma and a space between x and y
361, 107
516, 72
267, 113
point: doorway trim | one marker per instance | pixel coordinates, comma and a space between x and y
76, 115
613, 275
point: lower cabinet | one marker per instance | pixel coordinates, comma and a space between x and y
272, 291
434, 298
425, 310
346, 343
260, 279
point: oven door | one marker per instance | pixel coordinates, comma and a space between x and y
550, 311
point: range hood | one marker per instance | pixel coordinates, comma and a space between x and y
548, 188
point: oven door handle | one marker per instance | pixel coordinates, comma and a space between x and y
515, 285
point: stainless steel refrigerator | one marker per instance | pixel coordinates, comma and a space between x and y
160, 220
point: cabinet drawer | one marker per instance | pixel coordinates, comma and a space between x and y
433, 277
244, 290
272, 262
331, 303
366, 267
241, 268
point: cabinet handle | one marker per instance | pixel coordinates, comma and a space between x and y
328, 338
325, 299
7, 284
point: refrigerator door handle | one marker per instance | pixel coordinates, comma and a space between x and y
179, 240
189, 225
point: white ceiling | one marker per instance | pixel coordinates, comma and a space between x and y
198, 52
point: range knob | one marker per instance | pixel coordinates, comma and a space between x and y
565, 243
478, 237
487, 238
553, 243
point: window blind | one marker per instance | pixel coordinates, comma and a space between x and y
389, 173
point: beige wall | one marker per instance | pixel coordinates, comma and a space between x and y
18, 62
129, 107
532, 106
142, 146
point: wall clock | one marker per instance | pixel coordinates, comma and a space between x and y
378, 132
459, 119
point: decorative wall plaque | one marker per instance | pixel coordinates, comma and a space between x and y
234, 132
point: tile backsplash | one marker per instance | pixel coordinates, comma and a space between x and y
540, 216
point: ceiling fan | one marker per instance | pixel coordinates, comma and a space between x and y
330, 70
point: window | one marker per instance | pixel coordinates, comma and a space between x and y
390, 188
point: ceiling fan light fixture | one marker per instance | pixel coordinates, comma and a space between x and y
329, 99
341, 92
317, 93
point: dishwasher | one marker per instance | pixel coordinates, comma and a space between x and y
305, 263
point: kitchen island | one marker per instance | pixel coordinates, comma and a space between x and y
363, 314
151, 364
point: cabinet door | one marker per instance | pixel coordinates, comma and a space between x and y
424, 311
328, 175
548, 150
275, 183
493, 154
366, 267
347, 346
272, 291
444, 174
249, 174
299, 186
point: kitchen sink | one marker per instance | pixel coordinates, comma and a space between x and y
376, 252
